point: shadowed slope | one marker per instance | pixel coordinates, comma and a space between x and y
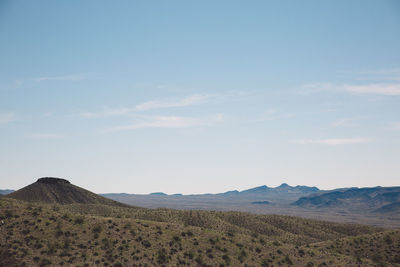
61, 191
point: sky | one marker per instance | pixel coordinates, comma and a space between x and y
200, 96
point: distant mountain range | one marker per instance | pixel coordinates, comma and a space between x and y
377, 205
5, 191
230, 200
375, 199
283, 188
263, 190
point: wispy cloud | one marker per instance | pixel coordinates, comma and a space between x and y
47, 114
7, 117
156, 104
45, 136
167, 122
382, 75
310, 88
187, 101
107, 112
335, 141
396, 125
59, 78
344, 123
18, 83
273, 114
388, 89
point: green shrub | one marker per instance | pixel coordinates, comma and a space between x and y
242, 255
288, 260
97, 229
227, 259
162, 256
146, 243
79, 220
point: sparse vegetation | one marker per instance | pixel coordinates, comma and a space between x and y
38, 234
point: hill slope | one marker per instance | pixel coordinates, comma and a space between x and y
93, 231
60, 191
35, 234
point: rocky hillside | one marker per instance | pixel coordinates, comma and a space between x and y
54, 223
37, 234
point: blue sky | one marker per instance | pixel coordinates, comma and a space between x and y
200, 96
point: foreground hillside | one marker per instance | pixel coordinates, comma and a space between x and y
37, 234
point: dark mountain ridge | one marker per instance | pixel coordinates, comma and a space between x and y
273, 195
283, 188
377, 199
253, 199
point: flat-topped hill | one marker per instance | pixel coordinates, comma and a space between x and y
52, 180
60, 191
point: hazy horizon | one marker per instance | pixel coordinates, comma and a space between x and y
127, 191
200, 97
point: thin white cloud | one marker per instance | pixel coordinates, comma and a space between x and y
59, 78
107, 112
7, 117
18, 83
396, 125
388, 89
344, 123
273, 114
187, 101
157, 104
335, 141
46, 136
48, 114
167, 122
382, 75
311, 88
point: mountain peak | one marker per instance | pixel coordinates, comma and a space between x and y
259, 189
158, 194
283, 185
52, 180
262, 187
